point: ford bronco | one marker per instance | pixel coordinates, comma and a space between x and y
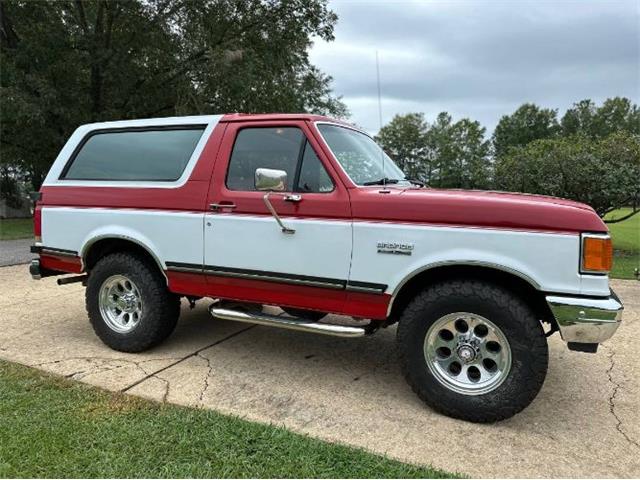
308, 214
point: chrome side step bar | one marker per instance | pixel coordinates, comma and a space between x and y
286, 322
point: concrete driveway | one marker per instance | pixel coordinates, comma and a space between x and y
14, 252
584, 423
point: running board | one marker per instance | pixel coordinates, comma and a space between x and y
287, 322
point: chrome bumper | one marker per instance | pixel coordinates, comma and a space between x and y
586, 320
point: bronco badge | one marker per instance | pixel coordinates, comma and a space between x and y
396, 248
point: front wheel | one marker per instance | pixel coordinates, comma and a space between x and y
472, 350
129, 305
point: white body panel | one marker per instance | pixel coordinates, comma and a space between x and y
323, 248
53, 177
169, 236
546, 260
318, 248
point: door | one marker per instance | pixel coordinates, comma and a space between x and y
247, 255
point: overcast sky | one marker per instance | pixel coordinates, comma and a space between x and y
480, 59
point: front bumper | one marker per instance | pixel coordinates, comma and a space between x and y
586, 320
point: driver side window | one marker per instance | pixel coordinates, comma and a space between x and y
276, 148
279, 148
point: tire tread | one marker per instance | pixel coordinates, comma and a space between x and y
501, 298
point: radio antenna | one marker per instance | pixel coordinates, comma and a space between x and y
378, 83
384, 181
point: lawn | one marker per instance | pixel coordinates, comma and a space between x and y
13, 228
626, 243
53, 427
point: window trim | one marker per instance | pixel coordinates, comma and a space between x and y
300, 157
149, 128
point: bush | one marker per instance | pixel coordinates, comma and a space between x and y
603, 172
10, 191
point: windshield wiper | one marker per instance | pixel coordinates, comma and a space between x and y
413, 181
382, 181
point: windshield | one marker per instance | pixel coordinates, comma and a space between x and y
363, 160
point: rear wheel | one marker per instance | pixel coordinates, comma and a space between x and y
472, 350
129, 305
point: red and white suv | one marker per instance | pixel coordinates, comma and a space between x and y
308, 214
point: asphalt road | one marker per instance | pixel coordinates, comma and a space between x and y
584, 423
15, 252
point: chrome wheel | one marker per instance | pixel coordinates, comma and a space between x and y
467, 353
120, 303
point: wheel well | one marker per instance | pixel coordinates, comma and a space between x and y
517, 285
106, 246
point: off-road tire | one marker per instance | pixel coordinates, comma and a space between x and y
310, 315
161, 308
529, 352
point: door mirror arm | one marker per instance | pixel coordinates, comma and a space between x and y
285, 229
270, 180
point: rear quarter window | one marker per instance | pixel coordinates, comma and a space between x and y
145, 155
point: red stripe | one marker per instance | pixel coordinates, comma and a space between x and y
328, 300
61, 263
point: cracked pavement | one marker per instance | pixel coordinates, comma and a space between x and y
584, 423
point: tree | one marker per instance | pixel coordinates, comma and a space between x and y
404, 140
461, 154
471, 156
445, 154
528, 123
579, 119
600, 172
65, 63
616, 114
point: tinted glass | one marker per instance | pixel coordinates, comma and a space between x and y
313, 176
276, 148
158, 155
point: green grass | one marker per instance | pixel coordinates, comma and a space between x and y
13, 228
53, 427
626, 243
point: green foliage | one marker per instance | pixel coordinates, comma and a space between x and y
528, 123
14, 228
462, 154
603, 172
626, 243
444, 154
52, 427
67, 63
615, 114
10, 191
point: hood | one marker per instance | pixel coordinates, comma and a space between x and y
475, 208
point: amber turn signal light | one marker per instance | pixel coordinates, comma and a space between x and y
597, 254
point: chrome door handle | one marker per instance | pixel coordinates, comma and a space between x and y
294, 197
216, 207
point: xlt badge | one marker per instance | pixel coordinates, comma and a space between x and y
396, 248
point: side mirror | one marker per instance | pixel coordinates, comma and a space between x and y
268, 179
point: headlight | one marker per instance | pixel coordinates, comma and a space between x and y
597, 253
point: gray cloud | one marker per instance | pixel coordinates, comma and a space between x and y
479, 58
